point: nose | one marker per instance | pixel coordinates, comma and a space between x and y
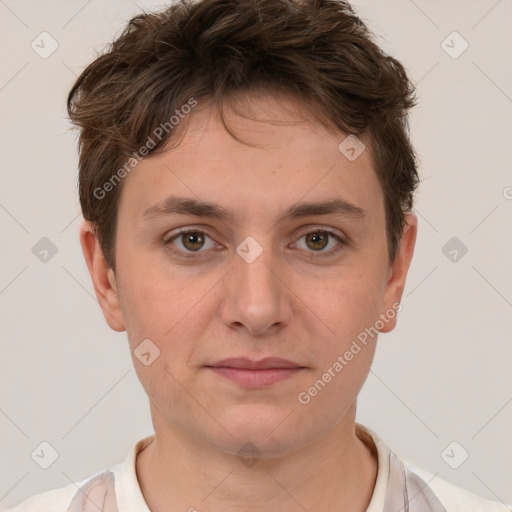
256, 297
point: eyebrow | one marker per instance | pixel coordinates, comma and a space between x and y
190, 206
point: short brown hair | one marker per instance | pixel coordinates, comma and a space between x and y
316, 50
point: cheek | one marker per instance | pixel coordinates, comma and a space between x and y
153, 300
346, 348
348, 304
158, 312
348, 308
172, 311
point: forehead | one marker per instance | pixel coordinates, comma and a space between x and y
286, 156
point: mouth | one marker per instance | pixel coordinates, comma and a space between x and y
256, 374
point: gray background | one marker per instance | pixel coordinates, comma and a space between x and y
443, 375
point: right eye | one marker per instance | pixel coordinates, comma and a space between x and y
189, 242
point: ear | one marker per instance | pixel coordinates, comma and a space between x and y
103, 278
398, 272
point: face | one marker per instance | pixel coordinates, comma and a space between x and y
272, 255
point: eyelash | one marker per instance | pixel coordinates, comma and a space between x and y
319, 254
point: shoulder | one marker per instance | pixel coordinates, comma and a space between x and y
56, 500
399, 479
82, 497
453, 498
111, 486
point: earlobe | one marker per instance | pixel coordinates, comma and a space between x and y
103, 278
398, 272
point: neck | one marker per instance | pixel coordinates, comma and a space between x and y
336, 472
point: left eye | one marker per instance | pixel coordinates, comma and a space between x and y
319, 240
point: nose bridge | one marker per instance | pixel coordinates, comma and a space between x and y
257, 297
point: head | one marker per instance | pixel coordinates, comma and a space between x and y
275, 133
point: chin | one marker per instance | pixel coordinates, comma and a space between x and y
271, 429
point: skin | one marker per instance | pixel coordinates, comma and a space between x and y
295, 301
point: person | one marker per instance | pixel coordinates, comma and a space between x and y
247, 182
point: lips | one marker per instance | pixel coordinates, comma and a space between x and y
256, 374
248, 364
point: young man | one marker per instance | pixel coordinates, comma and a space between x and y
246, 180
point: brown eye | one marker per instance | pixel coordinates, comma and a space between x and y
317, 240
320, 241
193, 240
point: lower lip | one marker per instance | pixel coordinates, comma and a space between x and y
255, 378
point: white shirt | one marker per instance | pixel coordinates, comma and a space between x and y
400, 487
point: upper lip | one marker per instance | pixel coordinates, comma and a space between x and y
248, 364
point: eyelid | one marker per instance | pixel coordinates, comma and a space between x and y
342, 240
185, 230
332, 231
